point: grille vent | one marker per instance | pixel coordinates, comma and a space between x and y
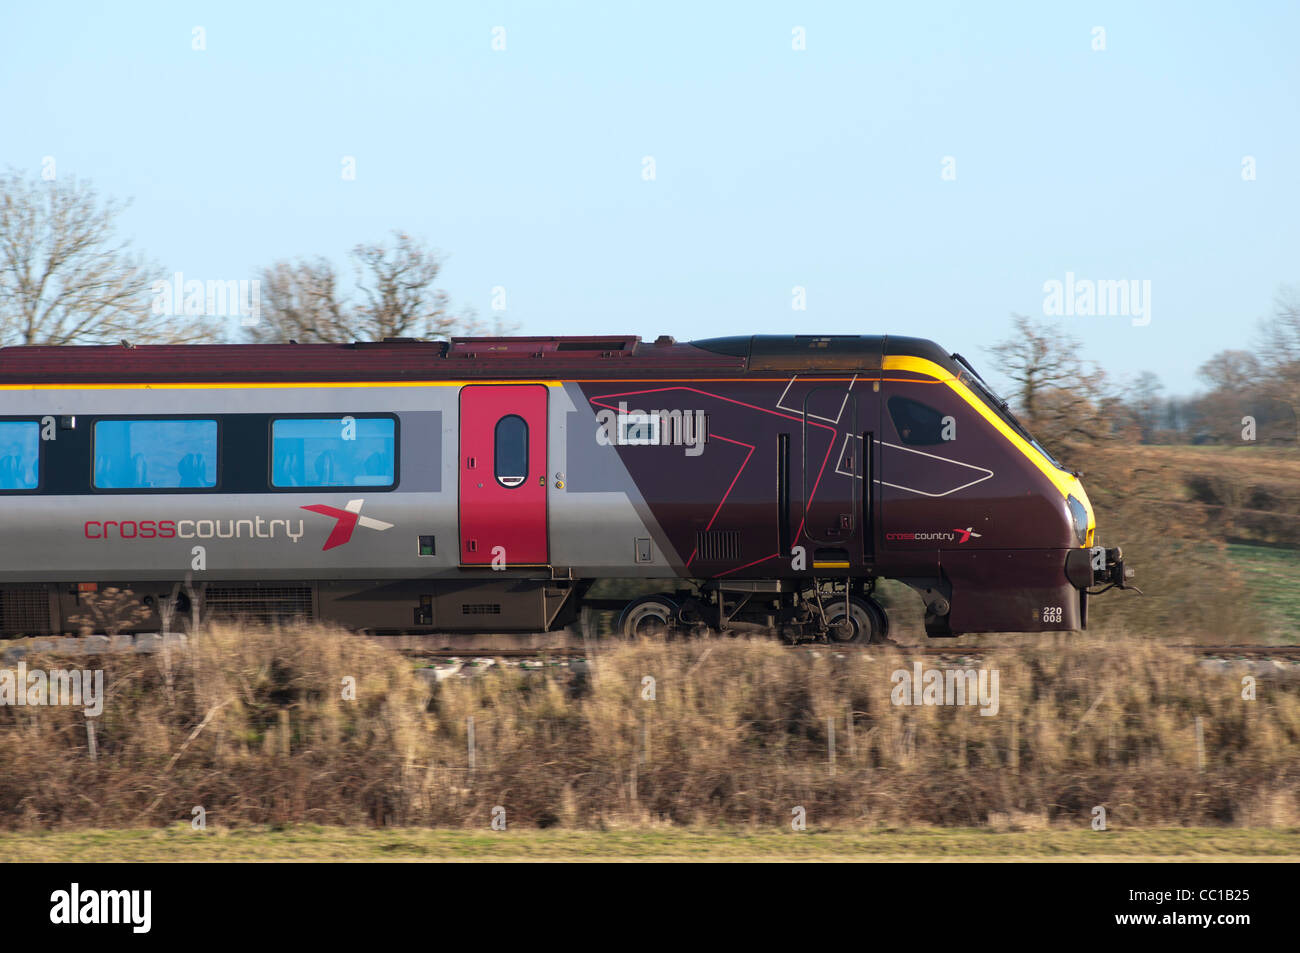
25, 610
264, 604
715, 545
480, 608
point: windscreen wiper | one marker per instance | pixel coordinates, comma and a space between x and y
1010, 417
1002, 403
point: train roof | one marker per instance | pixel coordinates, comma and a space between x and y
590, 357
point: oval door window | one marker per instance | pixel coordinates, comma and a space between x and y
511, 450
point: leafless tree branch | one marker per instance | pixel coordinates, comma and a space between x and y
396, 297
66, 278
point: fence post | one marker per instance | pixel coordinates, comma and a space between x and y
830, 743
284, 732
1200, 744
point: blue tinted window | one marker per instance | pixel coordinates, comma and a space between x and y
20, 442
139, 454
333, 451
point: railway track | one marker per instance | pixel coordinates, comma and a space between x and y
555, 647
597, 646
435, 665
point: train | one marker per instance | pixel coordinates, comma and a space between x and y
486, 484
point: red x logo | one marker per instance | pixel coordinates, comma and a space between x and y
346, 521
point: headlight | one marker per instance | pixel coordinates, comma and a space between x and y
1079, 517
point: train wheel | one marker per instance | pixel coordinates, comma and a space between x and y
865, 622
652, 617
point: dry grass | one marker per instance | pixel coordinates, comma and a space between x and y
252, 726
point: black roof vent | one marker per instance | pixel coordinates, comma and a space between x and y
799, 353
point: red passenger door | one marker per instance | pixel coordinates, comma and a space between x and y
503, 474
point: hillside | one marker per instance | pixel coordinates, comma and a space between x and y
1213, 533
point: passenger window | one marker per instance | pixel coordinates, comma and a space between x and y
155, 454
511, 451
20, 442
333, 451
917, 423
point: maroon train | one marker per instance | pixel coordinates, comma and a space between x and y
485, 484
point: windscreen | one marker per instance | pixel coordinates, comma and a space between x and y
999, 406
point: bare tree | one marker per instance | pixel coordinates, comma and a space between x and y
1147, 404
1035, 361
396, 297
1280, 348
1058, 394
1234, 372
300, 302
65, 277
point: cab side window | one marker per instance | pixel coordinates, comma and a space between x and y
918, 424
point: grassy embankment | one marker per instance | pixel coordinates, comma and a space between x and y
309, 843
253, 726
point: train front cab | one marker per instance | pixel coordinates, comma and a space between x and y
964, 490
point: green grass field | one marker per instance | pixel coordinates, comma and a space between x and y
1273, 575
352, 844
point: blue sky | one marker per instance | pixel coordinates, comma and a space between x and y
774, 168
